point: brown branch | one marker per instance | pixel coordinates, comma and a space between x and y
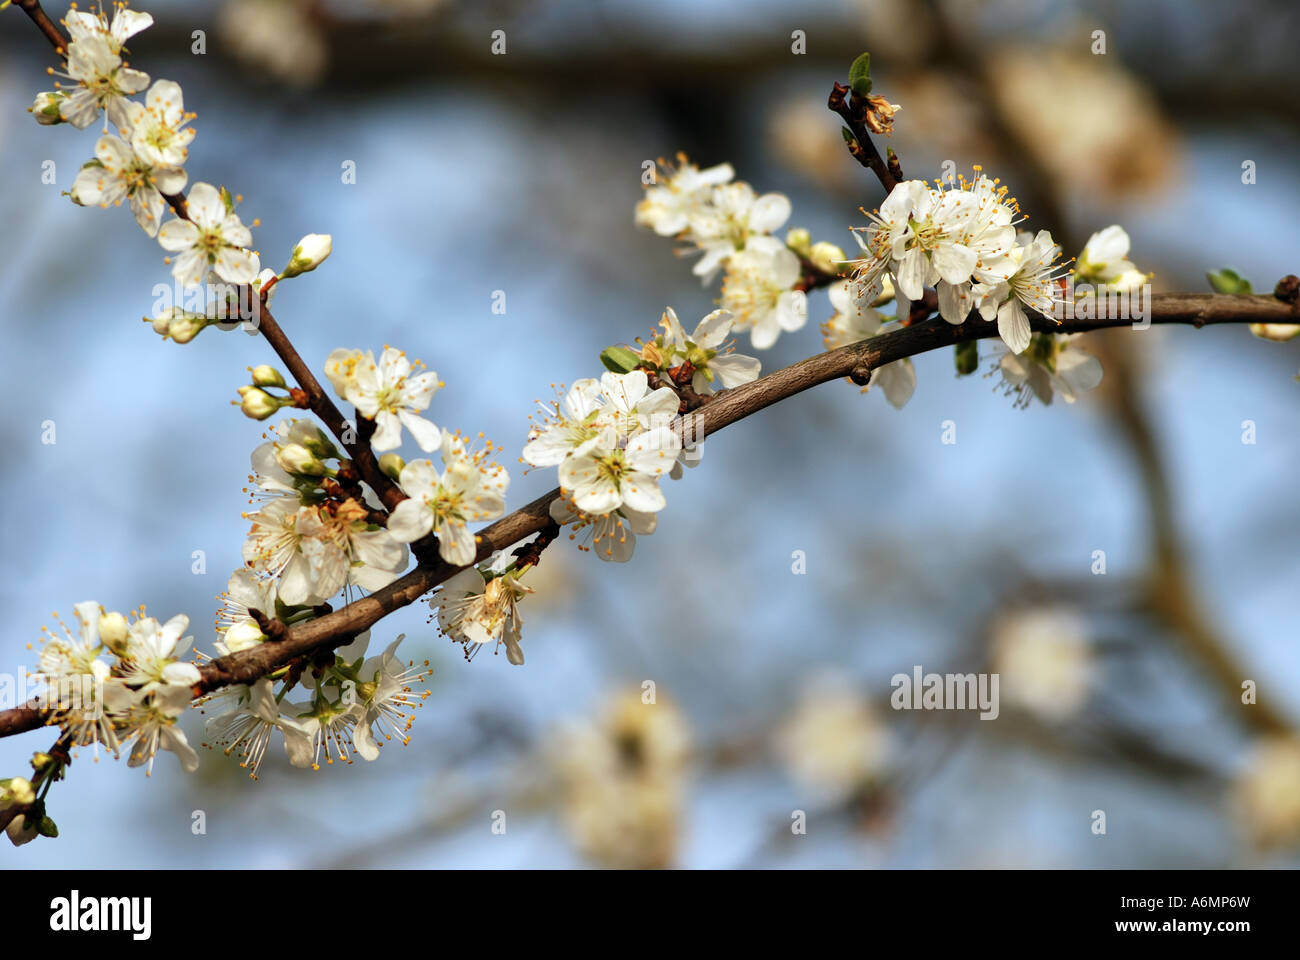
47, 26
856, 360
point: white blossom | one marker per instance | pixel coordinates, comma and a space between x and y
387, 702
667, 205
213, 238
159, 134
102, 82
475, 610
119, 173
604, 478
758, 291
706, 350
469, 490
247, 728
387, 393
1052, 364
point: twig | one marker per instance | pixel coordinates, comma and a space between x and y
852, 112
47, 26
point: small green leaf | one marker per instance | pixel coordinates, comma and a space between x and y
847, 134
1227, 280
967, 356
860, 76
48, 828
619, 359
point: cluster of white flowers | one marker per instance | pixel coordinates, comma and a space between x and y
611, 438
312, 545
1054, 363
961, 240
480, 606
356, 705
468, 489
731, 227
143, 162
115, 681
318, 529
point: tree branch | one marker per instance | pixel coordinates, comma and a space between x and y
47, 26
855, 361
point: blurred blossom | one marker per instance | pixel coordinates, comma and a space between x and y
1092, 125
1044, 658
905, 22
278, 36
1268, 792
622, 778
803, 137
833, 742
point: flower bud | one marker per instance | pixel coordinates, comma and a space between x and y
799, 240
184, 327
309, 254
41, 761
162, 322
827, 257
113, 631
392, 465
295, 458
47, 108
266, 375
21, 831
19, 791
257, 404
1278, 332
243, 636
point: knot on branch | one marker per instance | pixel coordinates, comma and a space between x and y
861, 375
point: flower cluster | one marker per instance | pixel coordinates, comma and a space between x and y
314, 533
468, 489
730, 226
480, 606
610, 438
961, 240
143, 162
1054, 363
356, 704
119, 682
